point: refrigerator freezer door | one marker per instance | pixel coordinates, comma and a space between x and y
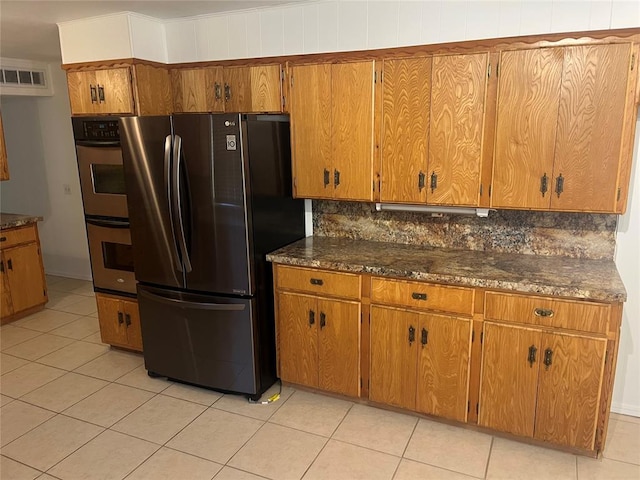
146, 151
200, 339
217, 238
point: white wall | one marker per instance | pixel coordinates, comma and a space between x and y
42, 159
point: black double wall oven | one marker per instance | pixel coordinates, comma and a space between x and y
104, 198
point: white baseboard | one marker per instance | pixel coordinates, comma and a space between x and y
625, 409
67, 274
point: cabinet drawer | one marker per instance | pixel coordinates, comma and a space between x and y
574, 315
422, 295
345, 285
16, 236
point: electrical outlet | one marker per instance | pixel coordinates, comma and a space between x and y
67, 189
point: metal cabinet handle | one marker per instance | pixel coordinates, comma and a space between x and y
127, 319
101, 93
1, 267
316, 281
227, 92
434, 181
10, 264
548, 356
412, 334
326, 177
559, 185
542, 312
544, 184
217, 91
532, 355
421, 178
3, 239
93, 91
336, 178
425, 336
120, 318
323, 320
312, 317
419, 296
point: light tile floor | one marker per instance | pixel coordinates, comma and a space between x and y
77, 409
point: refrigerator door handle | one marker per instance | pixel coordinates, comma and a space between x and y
176, 214
168, 182
201, 305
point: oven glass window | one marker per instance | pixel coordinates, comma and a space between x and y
117, 256
108, 179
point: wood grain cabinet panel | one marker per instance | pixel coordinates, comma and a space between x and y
119, 321
4, 162
319, 282
115, 94
509, 379
394, 358
590, 127
443, 366
529, 86
83, 94
406, 96
332, 125
569, 388
237, 89
310, 110
458, 89
197, 89
253, 89
298, 339
153, 94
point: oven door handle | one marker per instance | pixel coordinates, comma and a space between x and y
99, 222
98, 143
177, 203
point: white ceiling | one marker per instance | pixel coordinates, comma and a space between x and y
28, 27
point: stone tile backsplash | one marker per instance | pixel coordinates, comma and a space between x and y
575, 235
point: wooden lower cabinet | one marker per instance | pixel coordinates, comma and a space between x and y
542, 385
420, 361
119, 321
23, 283
319, 342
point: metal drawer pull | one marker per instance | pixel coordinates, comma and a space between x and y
419, 296
317, 281
532, 355
548, 354
3, 239
120, 319
312, 317
542, 312
326, 177
412, 335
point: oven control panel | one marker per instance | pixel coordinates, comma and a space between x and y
101, 130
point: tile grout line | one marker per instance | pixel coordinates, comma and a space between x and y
486, 468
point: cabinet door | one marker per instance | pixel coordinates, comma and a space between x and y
298, 317
266, 89
352, 130
6, 308
571, 373
310, 110
114, 91
197, 89
527, 113
4, 163
509, 380
26, 278
590, 127
152, 90
406, 96
237, 89
113, 328
392, 378
339, 346
443, 366
458, 87
83, 93
132, 322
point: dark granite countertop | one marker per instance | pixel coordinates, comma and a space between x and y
12, 220
548, 275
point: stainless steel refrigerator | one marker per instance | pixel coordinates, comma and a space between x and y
209, 195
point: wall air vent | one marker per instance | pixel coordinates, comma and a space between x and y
24, 77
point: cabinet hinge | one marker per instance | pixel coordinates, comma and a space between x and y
489, 71
481, 337
375, 77
619, 192
477, 408
381, 76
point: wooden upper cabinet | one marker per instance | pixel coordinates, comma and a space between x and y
83, 93
253, 89
458, 90
570, 379
197, 90
352, 142
310, 110
4, 163
152, 86
406, 96
590, 127
529, 85
115, 93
